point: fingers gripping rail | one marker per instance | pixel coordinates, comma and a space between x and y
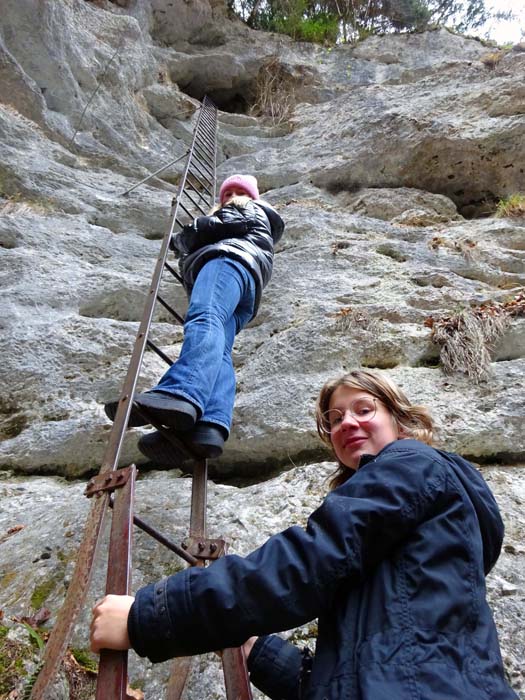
114, 488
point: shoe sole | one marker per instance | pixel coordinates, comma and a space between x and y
164, 454
182, 415
135, 418
157, 447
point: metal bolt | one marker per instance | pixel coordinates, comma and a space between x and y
213, 547
201, 546
120, 477
107, 480
184, 545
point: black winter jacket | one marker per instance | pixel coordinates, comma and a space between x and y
246, 234
392, 563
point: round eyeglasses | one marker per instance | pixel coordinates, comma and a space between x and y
361, 410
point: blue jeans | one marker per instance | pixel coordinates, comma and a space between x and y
221, 304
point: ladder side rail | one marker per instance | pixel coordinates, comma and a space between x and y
116, 438
60, 635
77, 590
236, 677
181, 667
113, 667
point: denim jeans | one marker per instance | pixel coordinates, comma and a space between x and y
221, 304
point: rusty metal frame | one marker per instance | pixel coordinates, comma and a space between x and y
112, 679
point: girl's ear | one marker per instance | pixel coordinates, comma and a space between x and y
401, 432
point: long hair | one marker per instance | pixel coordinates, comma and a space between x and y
238, 200
411, 421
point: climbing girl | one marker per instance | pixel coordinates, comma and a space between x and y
392, 564
226, 261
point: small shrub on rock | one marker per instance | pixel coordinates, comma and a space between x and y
513, 206
468, 337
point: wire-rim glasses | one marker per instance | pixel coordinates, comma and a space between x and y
361, 410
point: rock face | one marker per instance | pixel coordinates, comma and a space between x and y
39, 558
386, 172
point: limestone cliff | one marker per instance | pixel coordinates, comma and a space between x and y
386, 160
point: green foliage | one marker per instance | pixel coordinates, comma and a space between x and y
12, 655
321, 28
327, 21
85, 659
31, 682
34, 636
41, 593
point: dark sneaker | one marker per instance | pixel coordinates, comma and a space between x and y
160, 451
135, 419
204, 441
162, 407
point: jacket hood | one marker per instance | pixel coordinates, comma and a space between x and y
487, 511
276, 223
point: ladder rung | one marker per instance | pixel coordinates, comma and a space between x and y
170, 309
208, 140
195, 204
198, 176
194, 164
173, 272
198, 192
197, 156
205, 187
159, 352
200, 152
181, 205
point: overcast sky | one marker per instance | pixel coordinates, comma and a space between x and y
506, 32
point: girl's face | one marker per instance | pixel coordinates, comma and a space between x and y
353, 433
233, 192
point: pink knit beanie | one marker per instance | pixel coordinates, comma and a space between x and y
244, 182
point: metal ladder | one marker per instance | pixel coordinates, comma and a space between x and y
114, 488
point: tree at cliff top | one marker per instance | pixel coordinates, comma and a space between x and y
327, 21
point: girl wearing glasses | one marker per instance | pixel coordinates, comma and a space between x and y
392, 564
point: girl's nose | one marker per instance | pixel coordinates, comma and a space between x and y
349, 420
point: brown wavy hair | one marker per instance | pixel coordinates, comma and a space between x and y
238, 200
410, 420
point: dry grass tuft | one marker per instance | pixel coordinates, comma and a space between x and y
274, 92
348, 318
468, 337
513, 206
17, 204
492, 59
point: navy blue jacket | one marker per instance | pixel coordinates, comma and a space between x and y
392, 563
244, 233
